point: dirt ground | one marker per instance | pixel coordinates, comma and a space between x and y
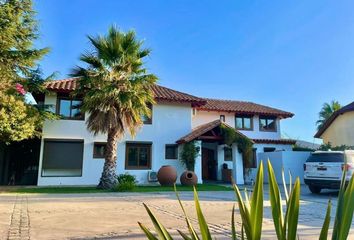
115, 215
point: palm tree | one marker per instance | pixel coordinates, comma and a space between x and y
116, 91
327, 110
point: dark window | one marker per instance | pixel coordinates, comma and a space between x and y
138, 156
227, 154
62, 158
267, 124
222, 118
269, 149
147, 119
171, 151
99, 150
69, 108
252, 159
326, 157
244, 122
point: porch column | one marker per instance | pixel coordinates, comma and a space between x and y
221, 161
237, 165
198, 162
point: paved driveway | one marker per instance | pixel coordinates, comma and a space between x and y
115, 215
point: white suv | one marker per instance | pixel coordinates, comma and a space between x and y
323, 169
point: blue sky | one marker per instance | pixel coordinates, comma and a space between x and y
291, 55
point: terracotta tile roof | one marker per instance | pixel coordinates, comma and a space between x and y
64, 85
167, 94
161, 93
330, 120
242, 107
204, 128
206, 104
275, 141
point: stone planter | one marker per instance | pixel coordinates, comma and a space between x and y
189, 178
167, 175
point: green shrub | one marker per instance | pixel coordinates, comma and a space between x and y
126, 183
328, 146
188, 155
251, 211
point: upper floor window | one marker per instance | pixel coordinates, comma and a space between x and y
244, 122
147, 119
222, 118
69, 108
267, 124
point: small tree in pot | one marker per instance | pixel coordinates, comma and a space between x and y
188, 155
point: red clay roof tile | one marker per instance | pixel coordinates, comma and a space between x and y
242, 107
201, 129
206, 104
161, 93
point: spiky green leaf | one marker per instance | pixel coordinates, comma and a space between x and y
160, 229
233, 227
257, 205
275, 201
147, 232
293, 211
203, 226
325, 227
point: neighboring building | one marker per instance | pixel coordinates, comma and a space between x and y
339, 128
70, 155
307, 145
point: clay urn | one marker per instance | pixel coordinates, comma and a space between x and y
167, 175
189, 178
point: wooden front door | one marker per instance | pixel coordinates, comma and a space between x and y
208, 164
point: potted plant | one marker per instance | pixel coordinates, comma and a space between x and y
188, 155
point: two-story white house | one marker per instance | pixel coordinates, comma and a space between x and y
70, 155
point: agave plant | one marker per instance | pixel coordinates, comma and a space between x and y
251, 211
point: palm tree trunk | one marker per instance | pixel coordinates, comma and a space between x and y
109, 177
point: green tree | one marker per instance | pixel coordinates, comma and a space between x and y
116, 90
326, 111
18, 31
19, 72
17, 120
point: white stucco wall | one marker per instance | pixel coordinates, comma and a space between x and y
341, 131
290, 161
170, 122
251, 173
202, 117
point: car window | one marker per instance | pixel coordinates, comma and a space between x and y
326, 157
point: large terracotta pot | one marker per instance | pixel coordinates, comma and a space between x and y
189, 178
167, 175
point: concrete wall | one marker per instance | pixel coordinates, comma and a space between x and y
341, 131
289, 160
170, 122
251, 173
202, 117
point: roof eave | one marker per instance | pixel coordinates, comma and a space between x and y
281, 115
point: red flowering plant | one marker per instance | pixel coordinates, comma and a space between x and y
20, 89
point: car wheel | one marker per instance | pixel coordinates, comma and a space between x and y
315, 189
